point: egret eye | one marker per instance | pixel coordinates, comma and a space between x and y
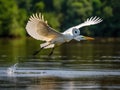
76, 32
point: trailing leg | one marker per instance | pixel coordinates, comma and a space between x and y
51, 51
36, 52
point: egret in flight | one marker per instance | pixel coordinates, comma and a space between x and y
38, 28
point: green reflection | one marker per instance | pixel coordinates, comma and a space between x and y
12, 49
87, 52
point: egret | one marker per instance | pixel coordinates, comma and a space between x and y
38, 28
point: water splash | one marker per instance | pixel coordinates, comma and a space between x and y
12, 69
62, 73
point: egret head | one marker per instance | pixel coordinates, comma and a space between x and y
71, 33
75, 32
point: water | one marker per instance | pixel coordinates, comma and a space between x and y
84, 65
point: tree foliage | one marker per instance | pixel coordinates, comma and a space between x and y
11, 23
61, 14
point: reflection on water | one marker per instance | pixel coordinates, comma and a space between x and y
73, 66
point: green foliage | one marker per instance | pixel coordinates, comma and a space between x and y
77, 11
9, 16
51, 17
60, 14
39, 6
57, 4
108, 11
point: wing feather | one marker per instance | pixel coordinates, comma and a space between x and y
90, 21
38, 28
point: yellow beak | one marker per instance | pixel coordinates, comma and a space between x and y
88, 38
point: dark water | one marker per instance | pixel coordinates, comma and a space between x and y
85, 65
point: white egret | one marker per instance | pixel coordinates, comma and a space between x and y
38, 28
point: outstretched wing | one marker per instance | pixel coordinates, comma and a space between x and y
91, 21
38, 28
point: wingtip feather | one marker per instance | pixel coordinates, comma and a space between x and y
37, 16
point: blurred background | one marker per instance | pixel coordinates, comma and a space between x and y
60, 14
99, 55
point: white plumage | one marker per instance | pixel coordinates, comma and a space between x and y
38, 28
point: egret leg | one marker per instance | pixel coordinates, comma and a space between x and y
51, 51
36, 52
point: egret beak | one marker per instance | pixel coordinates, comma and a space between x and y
88, 38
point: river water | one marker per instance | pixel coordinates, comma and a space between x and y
84, 65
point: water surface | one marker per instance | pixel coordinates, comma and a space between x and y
84, 65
